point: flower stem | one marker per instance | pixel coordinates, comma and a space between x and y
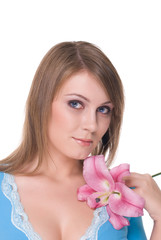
157, 174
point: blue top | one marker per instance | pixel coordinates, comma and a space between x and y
14, 224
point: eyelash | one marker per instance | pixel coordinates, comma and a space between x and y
70, 103
107, 108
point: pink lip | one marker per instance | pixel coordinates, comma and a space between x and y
83, 142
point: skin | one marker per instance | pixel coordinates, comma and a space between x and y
81, 110
146, 187
80, 116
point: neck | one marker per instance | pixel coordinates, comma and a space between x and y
61, 167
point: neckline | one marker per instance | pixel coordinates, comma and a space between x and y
20, 219
18, 216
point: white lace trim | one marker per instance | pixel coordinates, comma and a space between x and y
20, 219
18, 216
100, 217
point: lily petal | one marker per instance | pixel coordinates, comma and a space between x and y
106, 188
120, 171
128, 203
83, 192
117, 221
93, 176
103, 172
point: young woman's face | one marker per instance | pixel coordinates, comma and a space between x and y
80, 116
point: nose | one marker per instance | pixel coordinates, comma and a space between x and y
90, 121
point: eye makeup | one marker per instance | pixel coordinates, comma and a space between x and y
77, 104
104, 109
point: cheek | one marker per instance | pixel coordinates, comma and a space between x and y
58, 118
104, 127
61, 120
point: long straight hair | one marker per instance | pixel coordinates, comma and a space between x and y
62, 61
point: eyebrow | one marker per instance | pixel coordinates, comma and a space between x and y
81, 96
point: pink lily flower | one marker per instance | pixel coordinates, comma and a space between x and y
105, 188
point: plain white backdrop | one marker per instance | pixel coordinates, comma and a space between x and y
127, 31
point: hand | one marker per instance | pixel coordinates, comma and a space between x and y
147, 188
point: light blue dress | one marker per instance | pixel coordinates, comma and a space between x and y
14, 224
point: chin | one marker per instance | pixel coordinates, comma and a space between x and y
82, 156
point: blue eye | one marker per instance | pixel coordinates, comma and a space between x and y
104, 109
75, 104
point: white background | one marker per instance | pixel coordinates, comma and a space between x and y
129, 32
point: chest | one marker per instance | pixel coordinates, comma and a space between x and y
41, 207
55, 212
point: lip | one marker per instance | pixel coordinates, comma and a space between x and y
83, 142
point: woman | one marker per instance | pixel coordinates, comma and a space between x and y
74, 109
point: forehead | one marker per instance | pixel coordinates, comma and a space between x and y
86, 84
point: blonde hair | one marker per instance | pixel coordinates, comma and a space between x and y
58, 64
